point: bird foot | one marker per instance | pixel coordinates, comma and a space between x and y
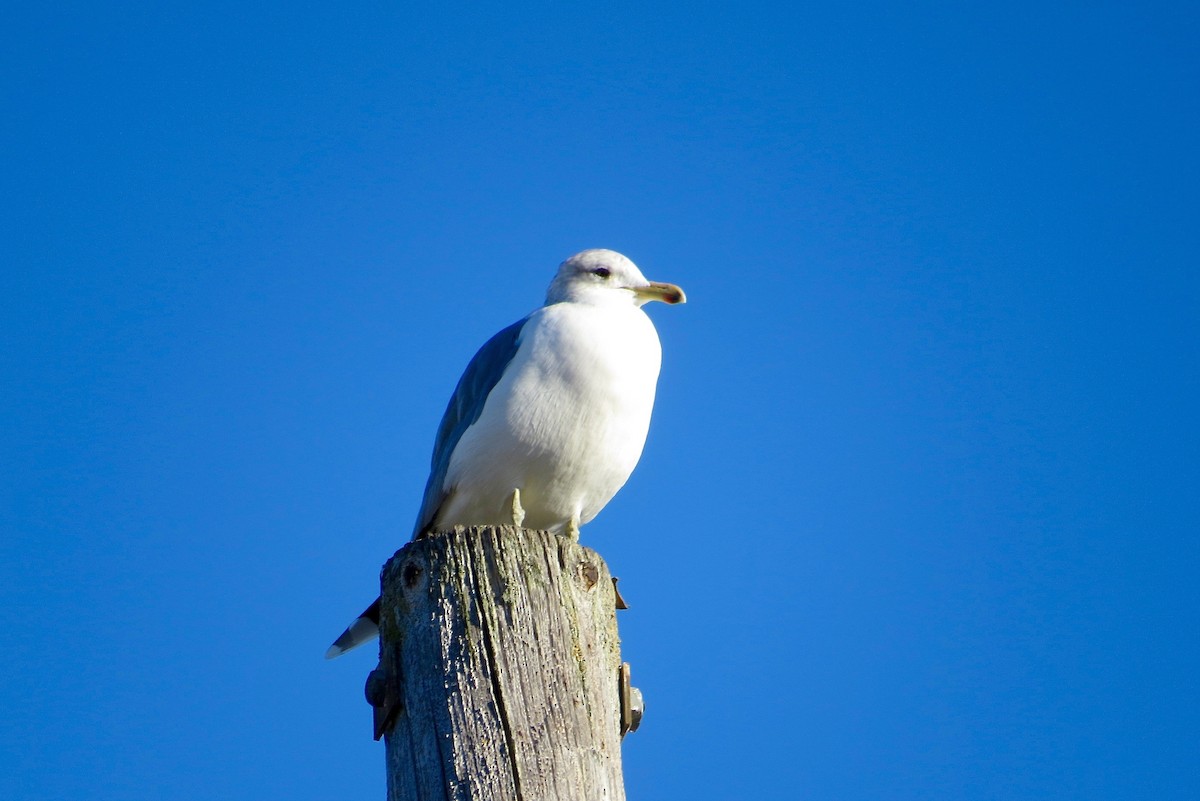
518, 513
572, 531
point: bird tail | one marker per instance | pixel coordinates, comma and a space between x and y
364, 629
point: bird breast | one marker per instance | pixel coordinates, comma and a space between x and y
566, 423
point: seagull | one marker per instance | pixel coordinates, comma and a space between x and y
550, 416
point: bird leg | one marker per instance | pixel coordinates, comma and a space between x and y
573, 528
518, 513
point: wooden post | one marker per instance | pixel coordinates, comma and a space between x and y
499, 675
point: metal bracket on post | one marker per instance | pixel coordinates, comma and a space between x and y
384, 697
620, 602
633, 706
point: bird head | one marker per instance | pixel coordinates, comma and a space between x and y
605, 277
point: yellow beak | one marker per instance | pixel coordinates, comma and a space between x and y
667, 293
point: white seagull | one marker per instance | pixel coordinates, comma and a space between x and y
549, 418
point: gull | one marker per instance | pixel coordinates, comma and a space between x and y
550, 417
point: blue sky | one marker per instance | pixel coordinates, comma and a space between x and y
917, 517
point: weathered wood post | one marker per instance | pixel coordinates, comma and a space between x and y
500, 671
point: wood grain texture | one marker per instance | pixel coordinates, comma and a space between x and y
501, 646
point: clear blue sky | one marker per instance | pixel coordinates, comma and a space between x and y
917, 517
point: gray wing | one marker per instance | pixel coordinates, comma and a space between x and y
466, 404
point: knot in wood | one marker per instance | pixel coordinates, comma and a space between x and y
411, 575
589, 574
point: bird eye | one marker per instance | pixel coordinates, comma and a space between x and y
603, 272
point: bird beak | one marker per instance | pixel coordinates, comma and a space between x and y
667, 293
